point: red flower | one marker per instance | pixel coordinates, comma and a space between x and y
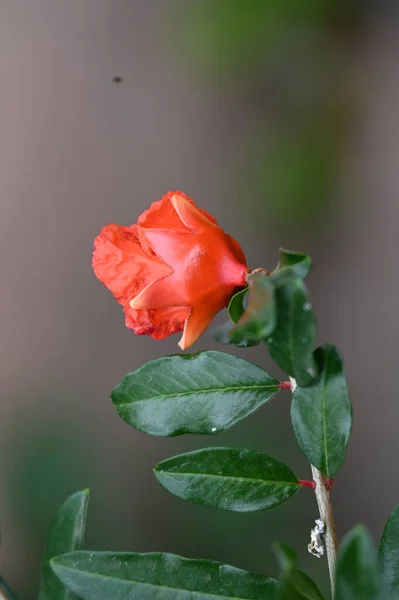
171, 272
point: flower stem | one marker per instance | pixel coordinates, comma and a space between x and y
323, 491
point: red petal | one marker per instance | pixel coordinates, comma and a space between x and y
194, 218
162, 215
159, 323
122, 265
237, 250
169, 245
197, 321
162, 293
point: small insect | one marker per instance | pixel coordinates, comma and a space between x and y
316, 546
117, 79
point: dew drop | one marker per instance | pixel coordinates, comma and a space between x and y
307, 307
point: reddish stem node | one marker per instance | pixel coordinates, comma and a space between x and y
306, 483
285, 385
329, 484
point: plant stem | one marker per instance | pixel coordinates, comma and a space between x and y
323, 493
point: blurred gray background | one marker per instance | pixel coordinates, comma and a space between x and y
281, 118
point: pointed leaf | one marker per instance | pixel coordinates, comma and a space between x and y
129, 576
291, 265
253, 311
322, 414
388, 554
259, 318
286, 556
222, 334
299, 262
296, 585
292, 341
5, 592
228, 479
299, 586
238, 304
357, 572
66, 534
205, 393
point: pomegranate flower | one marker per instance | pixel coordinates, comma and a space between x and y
171, 272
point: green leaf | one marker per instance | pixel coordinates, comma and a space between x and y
286, 557
237, 305
66, 534
205, 393
291, 265
5, 592
322, 414
156, 576
259, 319
236, 308
299, 586
357, 571
228, 479
388, 554
299, 262
222, 334
296, 585
292, 342
256, 320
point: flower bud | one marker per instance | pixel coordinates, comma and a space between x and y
171, 272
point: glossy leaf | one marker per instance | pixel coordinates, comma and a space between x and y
291, 265
156, 576
295, 584
66, 534
357, 571
388, 554
236, 308
292, 342
259, 318
299, 262
237, 305
222, 334
253, 311
205, 393
299, 586
228, 479
322, 414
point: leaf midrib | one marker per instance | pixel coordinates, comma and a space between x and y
204, 391
246, 479
92, 575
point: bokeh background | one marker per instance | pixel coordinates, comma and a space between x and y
280, 117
